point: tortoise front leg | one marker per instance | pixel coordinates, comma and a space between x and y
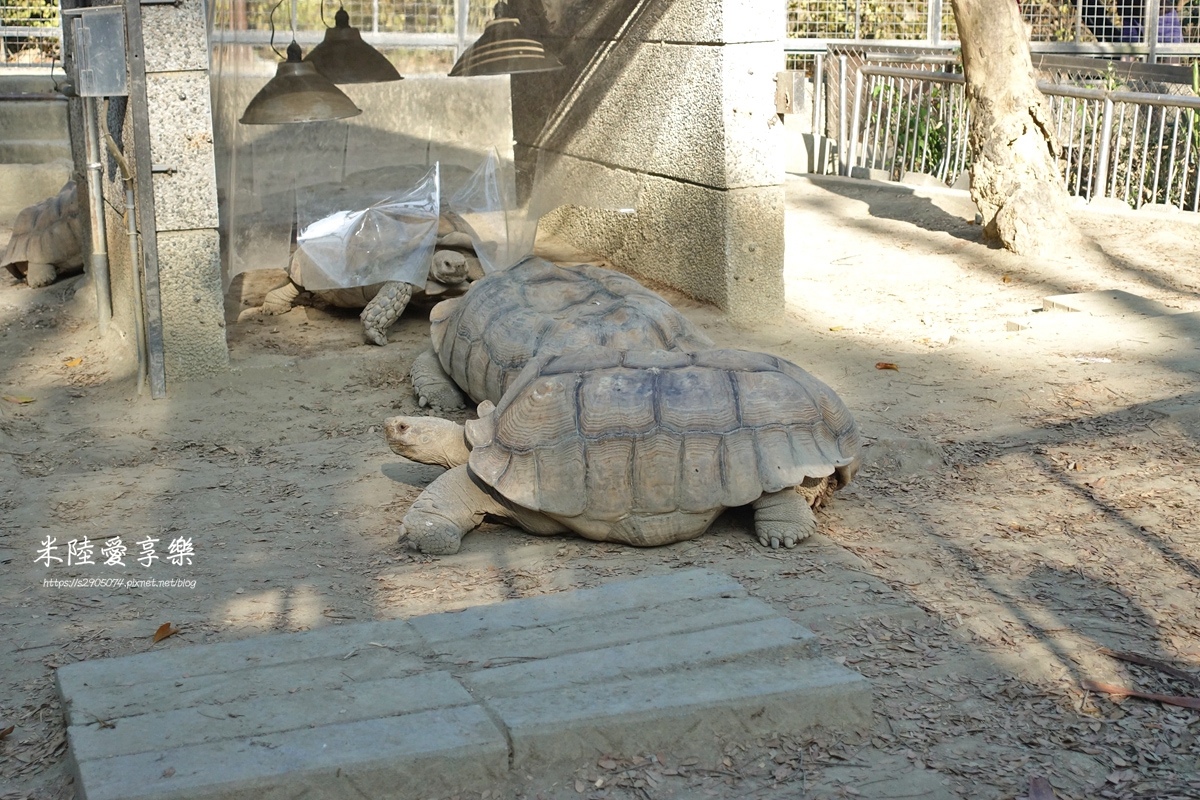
384, 309
39, 274
432, 385
449, 508
783, 518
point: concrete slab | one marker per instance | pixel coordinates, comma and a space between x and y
455, 702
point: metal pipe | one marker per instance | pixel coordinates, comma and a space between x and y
843, 165
135, 266
99, 226
854, 126
818, 95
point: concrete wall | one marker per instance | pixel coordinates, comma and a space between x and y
185, 189
679, 97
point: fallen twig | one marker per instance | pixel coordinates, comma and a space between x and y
1145, 661
1108, 688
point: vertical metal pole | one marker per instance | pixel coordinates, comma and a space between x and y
1078, 21
139, 111
374, 16
461, 12
858, 85
934, 31
1150, 31
818, 95
1101, 182
843, 164
99, 255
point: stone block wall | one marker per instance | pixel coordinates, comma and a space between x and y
679, 98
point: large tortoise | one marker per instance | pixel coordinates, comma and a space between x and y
644, 448
381, 303
482, 339
47, 239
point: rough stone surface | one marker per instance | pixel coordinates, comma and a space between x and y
455, 702
735, 263
717, 128
181, 140
192, 303
176, 37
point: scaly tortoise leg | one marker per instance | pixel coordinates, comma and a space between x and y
39, 274
384, 309
432, 385
449, 508
281, 299
783, 518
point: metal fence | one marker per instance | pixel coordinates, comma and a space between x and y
30, 31
1118, 139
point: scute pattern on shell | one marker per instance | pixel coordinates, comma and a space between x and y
50, 232
484, 338
602, 434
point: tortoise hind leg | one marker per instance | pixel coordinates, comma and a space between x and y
783, 519
280, 299
384, 309
38, 274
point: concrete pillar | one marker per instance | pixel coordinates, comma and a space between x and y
185, 193
675, 98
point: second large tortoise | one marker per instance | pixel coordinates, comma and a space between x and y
482, 339
643, 448
47, 239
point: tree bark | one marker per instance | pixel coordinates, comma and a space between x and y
1015, 179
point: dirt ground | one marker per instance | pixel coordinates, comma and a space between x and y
1030, 499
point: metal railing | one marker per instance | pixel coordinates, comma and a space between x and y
1137, 146
30, 31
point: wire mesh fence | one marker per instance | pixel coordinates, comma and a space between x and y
30, 31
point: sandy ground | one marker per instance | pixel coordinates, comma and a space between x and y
1030, 499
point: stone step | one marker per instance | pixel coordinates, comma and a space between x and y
34, 151
33, 119
464, 701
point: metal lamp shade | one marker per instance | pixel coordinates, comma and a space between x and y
504, 48
343, 56
298, 93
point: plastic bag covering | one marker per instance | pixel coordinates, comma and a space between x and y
389, 238
503, 232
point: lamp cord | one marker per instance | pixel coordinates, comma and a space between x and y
271, 22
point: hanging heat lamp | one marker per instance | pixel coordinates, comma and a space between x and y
297, 93
343, 56
504, 48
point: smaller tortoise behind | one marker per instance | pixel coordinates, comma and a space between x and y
639, 447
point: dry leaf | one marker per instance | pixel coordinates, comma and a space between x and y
606, 763
74, 362
6, 731
580, 786
165, 630
836, 327
168, 772
886, 365
19, 398
1040, 789
1174, 700
1007, 279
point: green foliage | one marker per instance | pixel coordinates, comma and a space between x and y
31, 13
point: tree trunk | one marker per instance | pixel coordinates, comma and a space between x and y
1015, 180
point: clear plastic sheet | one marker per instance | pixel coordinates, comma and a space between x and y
371, 238
503, 232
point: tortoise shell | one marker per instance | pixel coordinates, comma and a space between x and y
648, 447
484, 338
50, 232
